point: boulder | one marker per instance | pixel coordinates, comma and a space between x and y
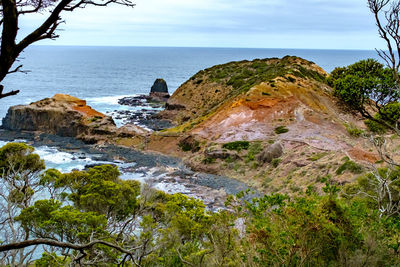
216, 152
221, 154
274, 151
62, 115
159, 90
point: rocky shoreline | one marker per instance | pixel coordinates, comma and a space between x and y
143, 114
156, 169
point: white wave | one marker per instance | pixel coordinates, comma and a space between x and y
52, 155
110, 100
3, 143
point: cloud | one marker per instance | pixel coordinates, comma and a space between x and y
221, 23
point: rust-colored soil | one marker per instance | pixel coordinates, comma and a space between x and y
361, 155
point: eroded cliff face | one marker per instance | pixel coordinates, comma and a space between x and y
211, 88
63, 115
264, 102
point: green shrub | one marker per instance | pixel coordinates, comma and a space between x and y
254, 149
281, 130
390, 113
275, 162
237, 145
353, 130
350, 166
375, 127
367, 79
189, 144
317, 156
209, 160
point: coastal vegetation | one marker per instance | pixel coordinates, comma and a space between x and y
319, 150
93, 217
370, 89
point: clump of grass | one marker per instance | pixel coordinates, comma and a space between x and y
209, 160
324, 179
317, 156
350, 166
353, 130
237, 145
276, 162
375, 127
281, 130
254, 149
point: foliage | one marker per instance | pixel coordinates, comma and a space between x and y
317, 156
154, 228
189, 144
390, 113
237, 145
254, 149
209, 160
20, 172
375, 127
275, 162
364, 85
51, 259
353, 130
245, 74
386, 14
350, 166
281, 130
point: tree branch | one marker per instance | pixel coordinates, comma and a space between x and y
55, 243
2, 95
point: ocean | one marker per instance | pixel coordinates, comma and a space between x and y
102, 75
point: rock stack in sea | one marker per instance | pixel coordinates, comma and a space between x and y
159, 90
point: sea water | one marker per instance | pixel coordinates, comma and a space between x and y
102, 75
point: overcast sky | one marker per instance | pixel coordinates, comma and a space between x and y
324, 24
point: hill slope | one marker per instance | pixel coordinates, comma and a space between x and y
268, 101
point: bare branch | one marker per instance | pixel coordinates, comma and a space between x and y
55, 243
2, 95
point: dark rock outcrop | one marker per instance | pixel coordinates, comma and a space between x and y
221, 154
159, 90
216, 152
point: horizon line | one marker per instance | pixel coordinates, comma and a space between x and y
205, 47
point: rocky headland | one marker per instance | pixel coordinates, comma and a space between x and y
273, 124
67, 116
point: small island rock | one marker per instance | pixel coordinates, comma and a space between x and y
159, 90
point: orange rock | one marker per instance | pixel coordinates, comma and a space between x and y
80, 105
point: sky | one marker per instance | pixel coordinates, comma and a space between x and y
309, 24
